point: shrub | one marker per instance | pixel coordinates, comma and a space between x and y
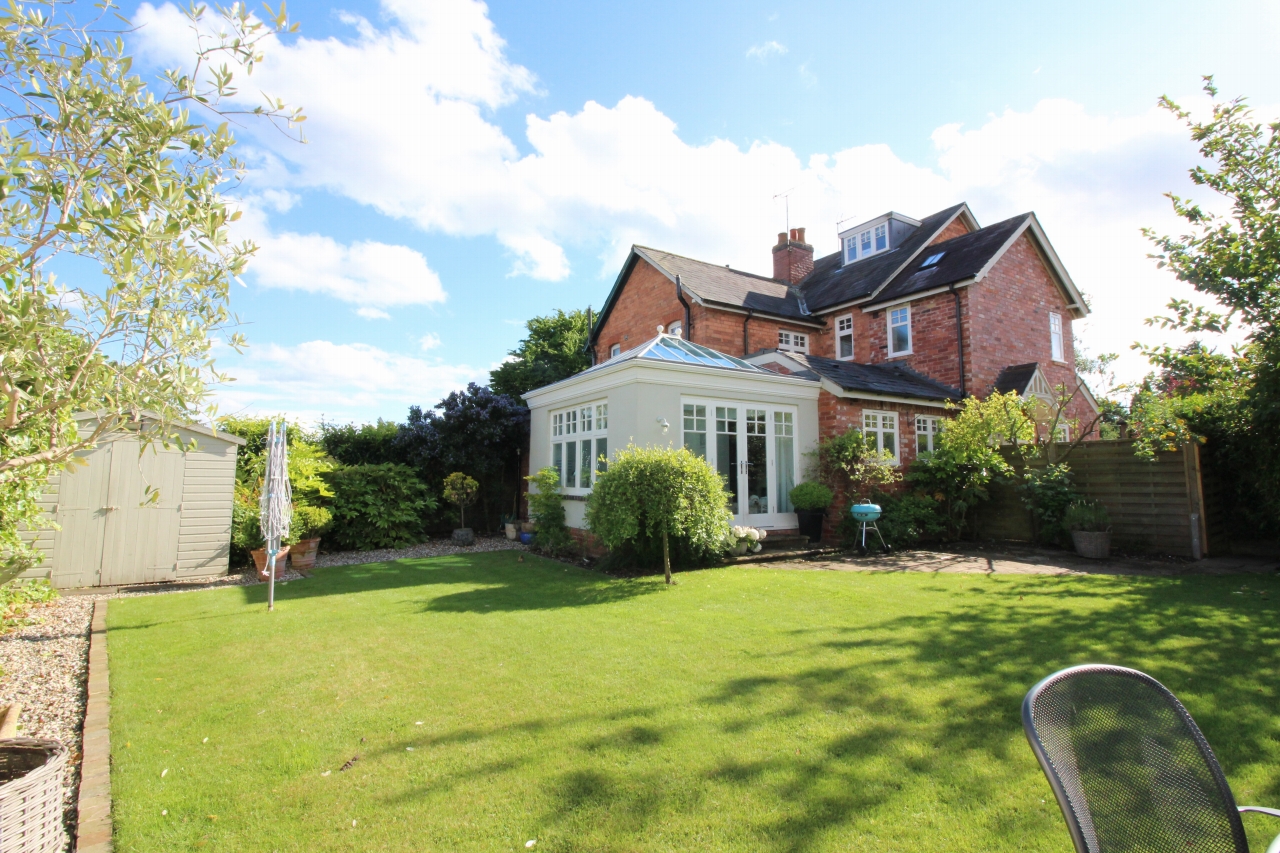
811, 497
652, 496
1088, 516
911, 519
850, 463
1047, 492
461, 490
367, 444
377, 506
309, 522
547, 508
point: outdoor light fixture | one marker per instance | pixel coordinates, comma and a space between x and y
665, 426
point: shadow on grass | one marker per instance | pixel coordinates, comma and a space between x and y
495, 581
931, 703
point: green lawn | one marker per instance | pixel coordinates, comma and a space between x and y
492, 702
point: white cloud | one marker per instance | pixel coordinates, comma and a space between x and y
766, 50
339, 381
371, 274
429, 341
415, 95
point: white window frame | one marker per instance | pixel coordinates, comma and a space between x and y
850, 248
844, 328
676, 329
927, 428
1056, 349
575, 425
615, 350
889, 326
790, 341
874, 424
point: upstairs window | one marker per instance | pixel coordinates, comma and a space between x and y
615, 350
793, 341
850, 249
882, 237
900, 330
676, 329
1055, 337
844, 337
865, 242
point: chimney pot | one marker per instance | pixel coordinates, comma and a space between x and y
792, 258
799, 235
793, 234
782, 238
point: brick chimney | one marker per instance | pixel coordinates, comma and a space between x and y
792, 257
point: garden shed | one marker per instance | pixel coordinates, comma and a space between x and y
110, 534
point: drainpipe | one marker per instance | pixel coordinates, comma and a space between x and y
747, 320
959, 338
688, 321
587, 347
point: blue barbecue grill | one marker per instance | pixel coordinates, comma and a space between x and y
866, 513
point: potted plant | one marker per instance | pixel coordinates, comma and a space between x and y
1090, 527
246, 532
511, 526
745, 540
309, 523
461, 490
811, 501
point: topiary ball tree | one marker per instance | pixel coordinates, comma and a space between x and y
659, 492
461, 490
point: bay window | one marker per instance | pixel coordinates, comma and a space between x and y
579, 445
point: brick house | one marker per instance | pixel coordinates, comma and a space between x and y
907, 317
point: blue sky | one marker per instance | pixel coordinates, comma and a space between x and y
470, 166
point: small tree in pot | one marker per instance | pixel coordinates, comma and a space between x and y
1090, 526
461, 490
811, 501
308, 525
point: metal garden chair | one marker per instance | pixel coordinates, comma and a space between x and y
1129, 767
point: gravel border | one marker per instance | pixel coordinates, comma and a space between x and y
44, 662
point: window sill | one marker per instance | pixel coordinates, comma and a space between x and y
901, 354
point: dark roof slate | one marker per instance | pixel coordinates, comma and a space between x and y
832, 283
726, 286
890, 379
1016, 377
963, 258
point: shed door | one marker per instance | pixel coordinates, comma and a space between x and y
82, 515
141, 541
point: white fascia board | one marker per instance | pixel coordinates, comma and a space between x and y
1075, 299
670, 373
912, 297
876, 220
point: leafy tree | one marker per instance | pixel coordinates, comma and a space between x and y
547, 508
475, 431
1233, 257
97, 165
553, 350
659, 493
850, 465
367, 444
461, 490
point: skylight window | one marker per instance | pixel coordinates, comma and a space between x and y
932, 260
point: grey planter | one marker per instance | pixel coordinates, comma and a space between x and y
464, 536
1094, 545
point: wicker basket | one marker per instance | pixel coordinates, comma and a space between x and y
31, 795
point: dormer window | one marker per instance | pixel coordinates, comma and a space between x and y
866, 240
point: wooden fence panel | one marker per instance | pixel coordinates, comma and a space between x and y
1155, 507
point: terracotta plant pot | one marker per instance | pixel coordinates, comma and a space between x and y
302, 554
513, 532
260, 562
527, 527
1094, 545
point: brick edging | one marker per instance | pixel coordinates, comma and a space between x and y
93, 828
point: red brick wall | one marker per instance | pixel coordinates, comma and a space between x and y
933, 337
837, 414
648, 298
1011, 309
957, 228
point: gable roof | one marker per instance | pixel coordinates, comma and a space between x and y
969, 257
833, 282
887, 379
1016, 378
710, 283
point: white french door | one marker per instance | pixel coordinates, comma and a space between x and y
753, 447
